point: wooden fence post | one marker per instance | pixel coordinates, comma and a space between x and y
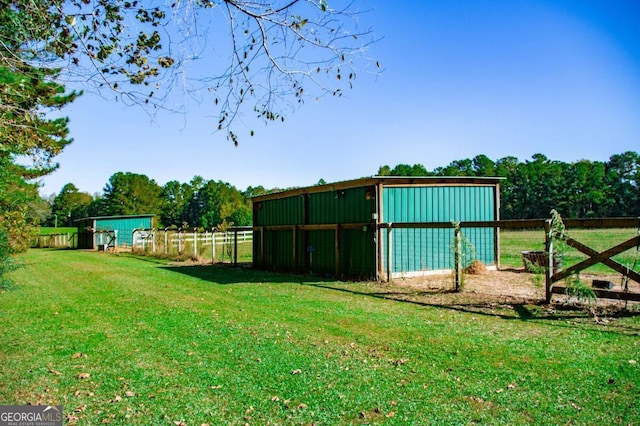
389, 247
548, 244
213, 246
457, 257
235, 246
195, 243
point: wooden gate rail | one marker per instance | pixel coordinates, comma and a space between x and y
600, 257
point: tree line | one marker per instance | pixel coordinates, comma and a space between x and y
199, 203
531, 188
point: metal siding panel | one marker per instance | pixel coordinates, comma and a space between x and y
429, 249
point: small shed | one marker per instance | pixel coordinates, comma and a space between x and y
110, 231
344, 229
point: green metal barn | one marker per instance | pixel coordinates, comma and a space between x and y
374, 227
110, 231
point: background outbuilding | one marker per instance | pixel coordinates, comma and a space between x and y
342, 229
110, 231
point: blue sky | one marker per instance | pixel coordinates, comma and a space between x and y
495, 77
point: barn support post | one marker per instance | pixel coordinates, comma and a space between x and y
548, 243
294, 244
337, 251
389, 247
457, 257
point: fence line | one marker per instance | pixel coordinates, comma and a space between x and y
63, 240
219, 246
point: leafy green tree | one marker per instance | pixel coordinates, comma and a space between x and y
403, 170
70, 204
623, 181
483, 166
457, 168
175, 200
216, 202
130, 194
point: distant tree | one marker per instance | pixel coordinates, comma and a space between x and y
70, 204
483, 166
585, 189
175, 200
131, 193
457, 168
40, 210
510, 197
384, 171
404, 170
214, 203
254, 191
623, 181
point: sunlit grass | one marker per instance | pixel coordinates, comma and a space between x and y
163, 344
512, 243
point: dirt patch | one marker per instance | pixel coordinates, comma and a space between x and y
491, 287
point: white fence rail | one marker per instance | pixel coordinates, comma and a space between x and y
66, 240
219, 246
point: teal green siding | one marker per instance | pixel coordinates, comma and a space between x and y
431, 249
122, 225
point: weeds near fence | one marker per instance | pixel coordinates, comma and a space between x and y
217, 246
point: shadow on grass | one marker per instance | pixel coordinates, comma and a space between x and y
502, 307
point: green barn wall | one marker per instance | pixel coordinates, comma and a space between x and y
315, 249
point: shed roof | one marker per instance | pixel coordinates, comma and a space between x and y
114, 217
385, 181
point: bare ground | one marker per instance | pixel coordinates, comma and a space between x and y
509, 293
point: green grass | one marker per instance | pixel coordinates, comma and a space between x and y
45, 230
218, 345
512, 243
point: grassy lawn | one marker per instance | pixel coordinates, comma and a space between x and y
48, 230
512, 243
127, 340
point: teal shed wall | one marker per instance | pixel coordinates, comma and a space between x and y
431, 249
123, 225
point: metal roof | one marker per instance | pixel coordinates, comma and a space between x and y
385, 181
115, 217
